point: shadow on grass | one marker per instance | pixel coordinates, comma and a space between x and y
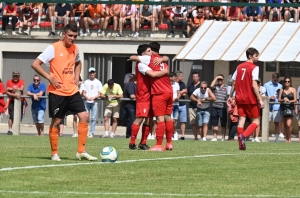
46, 158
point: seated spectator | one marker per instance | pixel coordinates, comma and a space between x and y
233, 13
1, 9
194, 23
50, 8
10, 10
107, 17
158, 12
77, 14
275, 12
95, 13
61, 16
27, 18
177, 18
38, 8
291, 13
128, 17
115, 12
217, 13
146, 17
253, 13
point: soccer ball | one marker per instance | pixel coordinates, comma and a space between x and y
109, 154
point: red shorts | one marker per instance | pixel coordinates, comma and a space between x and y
143, 109
248, 110
162, 104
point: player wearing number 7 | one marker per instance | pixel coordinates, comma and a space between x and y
248, 99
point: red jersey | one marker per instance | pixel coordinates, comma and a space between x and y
143, 85
11, 84
10, 9
244, 75
2, 91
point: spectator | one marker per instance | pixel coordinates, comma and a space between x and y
2, 92
200, 95
272, 91
275, 12
14, 90
182, 105
233, 13
206, 9
38, 105
108, 17
194, 23
146, 17
78, 12
61, 16
10, 10
253, 13
128, 76
158, 12
27, 13
38, 8
95, 16
219, 110
232, 110
92, 90
287, 94
217, 13
130, 107
128, 17
291, 13
178, 17
115, 15
111, 91
176, 96
193, 105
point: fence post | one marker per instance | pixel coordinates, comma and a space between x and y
17, 114
265, 120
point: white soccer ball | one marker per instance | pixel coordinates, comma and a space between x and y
109, 154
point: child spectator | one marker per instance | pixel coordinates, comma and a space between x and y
10, 10
27, 13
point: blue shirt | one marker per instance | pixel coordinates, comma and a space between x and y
130, 89
271, 90
41, 103
191, 90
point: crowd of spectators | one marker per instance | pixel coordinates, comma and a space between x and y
117, 17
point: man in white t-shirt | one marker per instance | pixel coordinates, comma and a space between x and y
91, 90
176, 96
178, 17
199, 95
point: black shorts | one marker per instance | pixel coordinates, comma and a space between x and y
11, 110
59, 106
145, 22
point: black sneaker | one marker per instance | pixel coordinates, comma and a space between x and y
9, 132
182, 138
132, 147
185, 34
143, 146
52, 33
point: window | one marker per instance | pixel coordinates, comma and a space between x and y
291, 69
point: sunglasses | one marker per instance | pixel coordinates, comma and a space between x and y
203, 87
36, 80
287, 81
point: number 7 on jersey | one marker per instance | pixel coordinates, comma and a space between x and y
244, 71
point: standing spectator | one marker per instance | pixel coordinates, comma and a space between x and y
10, 10
272, 91
200, 95
38, 105
176, 96
130, 106
275, 12
182, 105
92, 90
219, 110
111, 91
253, 13
287, 94
193, 105
95, 16
128, 17
2, 92
61, 16
12, 86
27, 13
178, 17
127, 76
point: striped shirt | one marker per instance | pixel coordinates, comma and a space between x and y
221, 94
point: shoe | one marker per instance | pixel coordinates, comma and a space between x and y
136, 34
119, 35
157, 148
175, 136
27, 32
105, 135
144, 147
4, 33
256, 140
182, 138
185, 35
131, 35
1, 32
170, 35
90, 135
103, 33
55, 157
20, 32
223, 140
169, 147
204, 139
112, 135
241, 139
14, 33
132, 147
85, 155
75, 135
281, 135
9, 133
149, 137
152, 35
52, 33
293, 136
214, 139
99, 33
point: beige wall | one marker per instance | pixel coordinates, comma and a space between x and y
222, 67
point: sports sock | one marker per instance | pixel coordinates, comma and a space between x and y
250, 129
169, 131
240, 130
160, 130
134, 131
82, 136
145, 132
53, 137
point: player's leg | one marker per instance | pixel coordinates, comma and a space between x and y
240, 127
145, 132
168, 120
135, 127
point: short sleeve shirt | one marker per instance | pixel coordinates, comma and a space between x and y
41, 103
116, 90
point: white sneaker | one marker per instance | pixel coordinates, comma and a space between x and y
293, 136
75, 135
14, 33
256, 140
86, 156
105, 135
27, 32
204, 139
90, 135
281, 135
112, 135
149, 137
175, 136
99, 33
136, 34
214, 139
151, 35
223, 140
20, 32
55, 157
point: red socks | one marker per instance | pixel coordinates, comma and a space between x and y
134, 131
250, 129
160, 130
240, 130
169, 131
145, 132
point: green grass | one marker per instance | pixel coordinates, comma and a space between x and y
264, 170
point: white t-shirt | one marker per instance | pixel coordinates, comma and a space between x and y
262, 91
81, 88
92, 88
143, 68
48, 54
145, 59
178, 13
254, 74
176, 88
200, 95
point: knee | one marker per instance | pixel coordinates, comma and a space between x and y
115, 120
84, 117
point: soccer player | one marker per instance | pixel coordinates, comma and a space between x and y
248, 98
143, 102
65, 66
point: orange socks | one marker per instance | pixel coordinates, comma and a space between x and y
53, 136
82, 136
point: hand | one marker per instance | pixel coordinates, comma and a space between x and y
157, 61
55, 83
111, 96
59, 18
199, 103
273, 97
18, 96
35, 97
229, 100
286, 99
76, 81
261, 104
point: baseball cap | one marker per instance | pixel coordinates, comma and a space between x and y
92, 69
16, 73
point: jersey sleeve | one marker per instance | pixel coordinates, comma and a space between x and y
255, 73
234, 75
143, 68
145, 59
47, 55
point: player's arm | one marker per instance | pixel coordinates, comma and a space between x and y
212, 96
232, 90
193, 98
256, 92
157, 61
157, 74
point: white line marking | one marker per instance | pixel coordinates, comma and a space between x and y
117, 162
146, 194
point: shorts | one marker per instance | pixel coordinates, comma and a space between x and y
145, 22
249, 110
62, 21
38, 115
112, 110
59, 106
144, 110
175, 112
275, 116
157, 7
182, 113
95, 20
217, 113
11, 110
203, 116
193, 115
162, 104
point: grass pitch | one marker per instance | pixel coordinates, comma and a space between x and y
192, 169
